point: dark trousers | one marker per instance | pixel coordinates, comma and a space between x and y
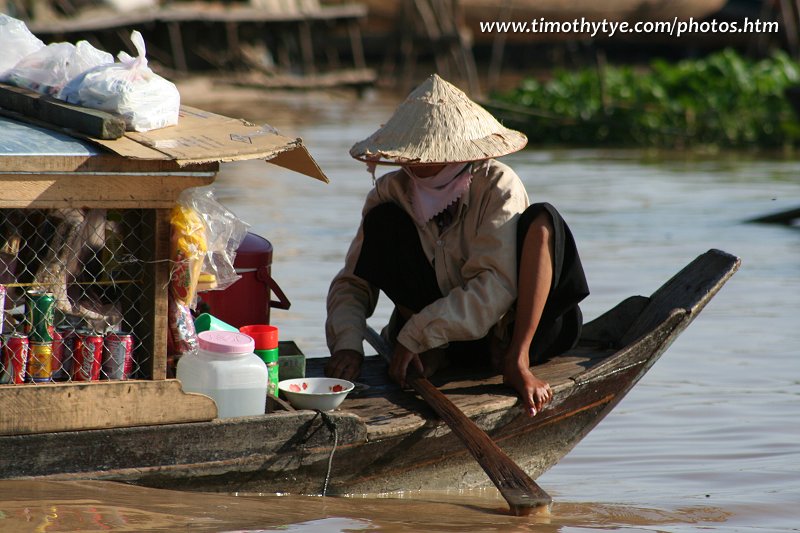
393, 260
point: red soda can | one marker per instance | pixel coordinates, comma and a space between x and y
15, 358
87, 356
118, 355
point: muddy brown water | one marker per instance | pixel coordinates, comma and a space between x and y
709, 440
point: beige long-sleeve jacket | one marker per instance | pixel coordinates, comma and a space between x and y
474, 260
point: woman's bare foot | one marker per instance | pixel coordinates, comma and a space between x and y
534, 392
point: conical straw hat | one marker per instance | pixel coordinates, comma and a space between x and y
438, 123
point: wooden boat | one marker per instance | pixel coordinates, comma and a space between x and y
789, 217
386, 439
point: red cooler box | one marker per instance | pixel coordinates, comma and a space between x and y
248, 300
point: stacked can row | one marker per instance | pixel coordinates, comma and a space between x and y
75, 355
48, 353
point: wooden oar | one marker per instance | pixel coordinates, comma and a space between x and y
518, 489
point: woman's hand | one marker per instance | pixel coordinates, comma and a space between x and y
344, 364
401, 359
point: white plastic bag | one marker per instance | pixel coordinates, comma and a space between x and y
146, 100
16, 42
49, 69
224, 232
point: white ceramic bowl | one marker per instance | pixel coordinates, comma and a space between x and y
324, 394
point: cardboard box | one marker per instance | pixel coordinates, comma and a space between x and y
204, 137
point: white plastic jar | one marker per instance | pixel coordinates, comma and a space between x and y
226, 369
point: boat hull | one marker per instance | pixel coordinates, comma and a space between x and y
289, 452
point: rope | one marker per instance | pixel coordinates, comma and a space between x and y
331, 425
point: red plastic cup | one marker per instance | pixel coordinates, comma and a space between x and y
265, 336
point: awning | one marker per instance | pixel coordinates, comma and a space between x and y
199, 137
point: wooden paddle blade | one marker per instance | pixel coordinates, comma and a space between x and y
516, 486
519, 490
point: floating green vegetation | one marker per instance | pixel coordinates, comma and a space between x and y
722, 100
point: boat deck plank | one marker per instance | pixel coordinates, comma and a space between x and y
386, 410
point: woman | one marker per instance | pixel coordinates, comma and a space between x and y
477, 275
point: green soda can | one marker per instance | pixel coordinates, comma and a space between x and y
41, 307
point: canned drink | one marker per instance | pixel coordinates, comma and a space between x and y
40, 361
118, 355
87, 356
41, 306
15, 358
63, 350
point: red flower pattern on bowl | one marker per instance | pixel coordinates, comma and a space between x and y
315, 393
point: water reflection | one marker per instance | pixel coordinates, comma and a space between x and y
104, 506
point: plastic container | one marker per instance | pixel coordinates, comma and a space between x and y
266, 342
206, 322
248, 301
226, 369
264, 336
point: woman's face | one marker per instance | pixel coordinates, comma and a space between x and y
426, 171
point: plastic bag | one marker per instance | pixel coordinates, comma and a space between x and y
146, 100
16, 42
182, 336
204, 239
50, 68
224, 233
188, 247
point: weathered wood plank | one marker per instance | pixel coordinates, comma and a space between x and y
92, 122
96, 190
159, 270
387, 411
100, 163
195, 12
608, 328
216, 455
55, 407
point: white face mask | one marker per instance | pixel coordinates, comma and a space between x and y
430, 196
